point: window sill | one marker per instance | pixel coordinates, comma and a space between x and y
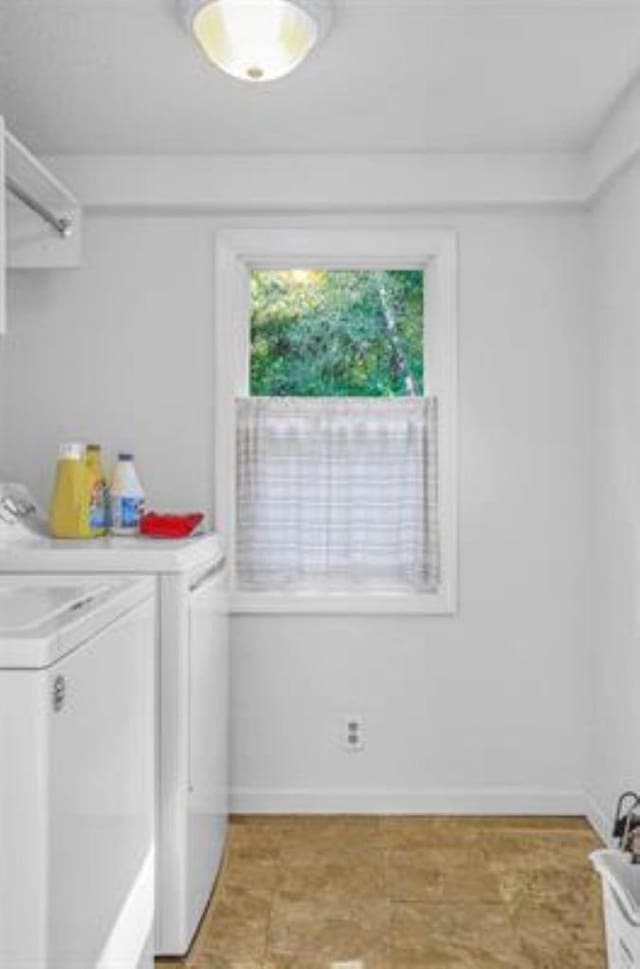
264, 603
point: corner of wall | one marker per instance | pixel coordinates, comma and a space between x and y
613, 159
616, 144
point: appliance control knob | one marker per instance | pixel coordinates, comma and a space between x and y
59, 693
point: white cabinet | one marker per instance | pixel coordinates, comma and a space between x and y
40, 220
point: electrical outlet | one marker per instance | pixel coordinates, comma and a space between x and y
353, 732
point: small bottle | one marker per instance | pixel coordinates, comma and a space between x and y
98, 494
69, 509
126, 497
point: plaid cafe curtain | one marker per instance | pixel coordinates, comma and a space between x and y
337, 494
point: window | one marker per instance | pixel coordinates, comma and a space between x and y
336, 478
334, 468
337, 333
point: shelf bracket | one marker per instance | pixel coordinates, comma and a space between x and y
60, 224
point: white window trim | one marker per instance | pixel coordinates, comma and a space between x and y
360, 246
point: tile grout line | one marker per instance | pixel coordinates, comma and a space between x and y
272, 899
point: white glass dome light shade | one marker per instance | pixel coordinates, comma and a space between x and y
257, 40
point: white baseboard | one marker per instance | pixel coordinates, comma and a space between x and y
435, 801
598, 819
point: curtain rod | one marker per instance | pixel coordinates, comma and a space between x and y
62, 225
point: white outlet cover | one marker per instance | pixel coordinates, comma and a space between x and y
353, 733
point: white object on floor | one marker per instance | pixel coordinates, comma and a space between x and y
77, 757
192, 710
621, 901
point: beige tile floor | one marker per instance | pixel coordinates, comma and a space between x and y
403, 893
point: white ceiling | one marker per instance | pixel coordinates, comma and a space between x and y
122, 76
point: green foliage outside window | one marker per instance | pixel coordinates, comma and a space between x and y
337, 333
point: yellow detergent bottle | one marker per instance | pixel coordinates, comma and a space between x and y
69, 509
97, 491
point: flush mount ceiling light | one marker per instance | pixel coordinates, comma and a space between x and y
258, 40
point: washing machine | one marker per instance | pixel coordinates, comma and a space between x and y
77, 762
192, 706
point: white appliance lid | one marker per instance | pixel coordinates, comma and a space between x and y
27, 608
42, 618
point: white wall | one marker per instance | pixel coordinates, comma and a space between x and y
119, 351
484, 710
615, 579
